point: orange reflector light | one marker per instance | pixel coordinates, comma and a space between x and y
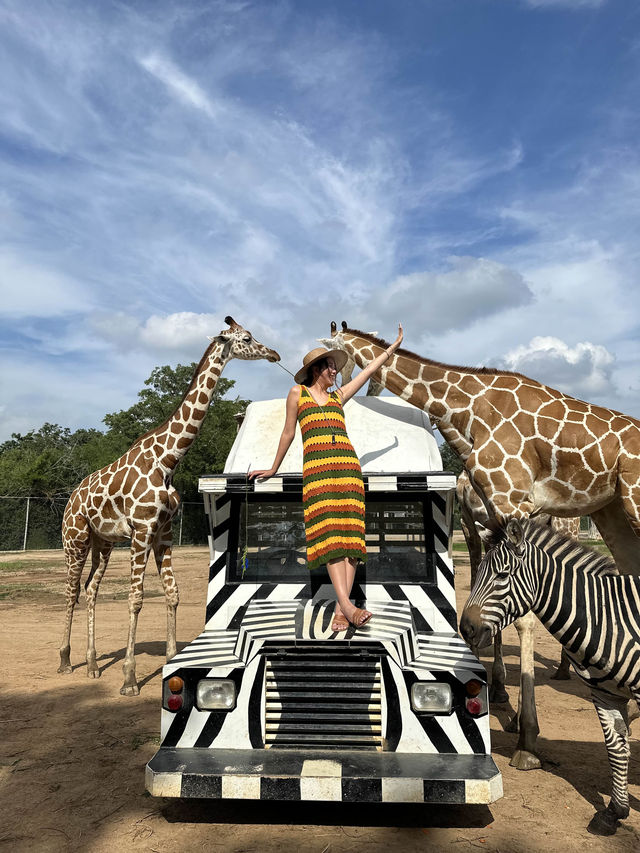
473, 687
176, 684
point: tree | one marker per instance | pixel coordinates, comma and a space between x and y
44, 462
452, 462
48, 463
164, 390
51, 461
450, 459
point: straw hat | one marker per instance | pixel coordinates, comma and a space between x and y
317, 354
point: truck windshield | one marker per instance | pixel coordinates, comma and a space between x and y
271, 541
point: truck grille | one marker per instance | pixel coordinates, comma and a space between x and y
323, 698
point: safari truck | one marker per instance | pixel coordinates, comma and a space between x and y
267, 702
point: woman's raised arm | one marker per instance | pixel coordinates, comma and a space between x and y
347, 391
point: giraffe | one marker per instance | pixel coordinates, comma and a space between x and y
374, 389
133, 498
528, 449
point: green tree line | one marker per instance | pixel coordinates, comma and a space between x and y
49, 462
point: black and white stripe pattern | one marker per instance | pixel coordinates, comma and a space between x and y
274, 641
591, 609
268, 626
410, 481
365, 777
433, 606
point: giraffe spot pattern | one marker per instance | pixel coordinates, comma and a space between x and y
129, 498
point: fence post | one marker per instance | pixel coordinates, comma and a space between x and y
26, 525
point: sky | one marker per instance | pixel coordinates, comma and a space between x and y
469, 168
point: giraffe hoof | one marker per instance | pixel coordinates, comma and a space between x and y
130, 690
65, 668
523, 760
513, 726
93, 673
498, 695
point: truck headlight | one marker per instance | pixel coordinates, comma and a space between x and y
431, 697
216, 694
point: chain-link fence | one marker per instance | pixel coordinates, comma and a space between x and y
33, 523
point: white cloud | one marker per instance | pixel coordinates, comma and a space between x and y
472, 289
72, 394
183, 87
179, 332
31, 289
584, 370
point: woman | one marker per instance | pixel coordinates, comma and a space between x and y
332, 486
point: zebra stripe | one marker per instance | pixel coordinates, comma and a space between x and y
592, 610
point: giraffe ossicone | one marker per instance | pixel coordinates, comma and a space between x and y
133, 498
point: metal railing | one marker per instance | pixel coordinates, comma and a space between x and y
34, 523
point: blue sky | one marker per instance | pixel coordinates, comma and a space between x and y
469, 167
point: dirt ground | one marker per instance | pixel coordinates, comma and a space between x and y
73, 751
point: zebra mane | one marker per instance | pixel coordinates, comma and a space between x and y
587, 559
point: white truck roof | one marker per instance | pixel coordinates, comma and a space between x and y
388, 434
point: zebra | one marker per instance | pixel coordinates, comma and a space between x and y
593, 611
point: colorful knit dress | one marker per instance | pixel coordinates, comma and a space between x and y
332, 487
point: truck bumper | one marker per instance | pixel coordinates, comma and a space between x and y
283, 774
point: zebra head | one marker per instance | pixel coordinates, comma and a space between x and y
503, 590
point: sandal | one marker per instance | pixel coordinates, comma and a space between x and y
360, 617
339, 623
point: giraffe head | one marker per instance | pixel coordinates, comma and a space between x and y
239, 343
336, 341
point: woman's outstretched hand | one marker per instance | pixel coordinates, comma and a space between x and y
394, 346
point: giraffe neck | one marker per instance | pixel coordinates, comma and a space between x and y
435, 388
172, 439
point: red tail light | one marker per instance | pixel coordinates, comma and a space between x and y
174, 702
474, 706
476, 701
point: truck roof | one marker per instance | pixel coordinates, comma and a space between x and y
388, 434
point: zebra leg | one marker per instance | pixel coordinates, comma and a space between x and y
612, 714
563, 672
525, 757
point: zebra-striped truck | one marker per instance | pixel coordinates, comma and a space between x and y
268, 702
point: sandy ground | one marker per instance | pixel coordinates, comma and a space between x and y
73, 751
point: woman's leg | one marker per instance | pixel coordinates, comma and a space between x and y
342, 573
349, 577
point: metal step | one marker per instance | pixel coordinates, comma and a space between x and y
318, 697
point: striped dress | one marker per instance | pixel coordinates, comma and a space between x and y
332, 487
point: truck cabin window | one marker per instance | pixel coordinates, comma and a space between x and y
272, 529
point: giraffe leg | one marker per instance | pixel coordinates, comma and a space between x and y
140, 550
76, 536
100, 553
612, 715
525, 757
615, 526
162, 553
498, 692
